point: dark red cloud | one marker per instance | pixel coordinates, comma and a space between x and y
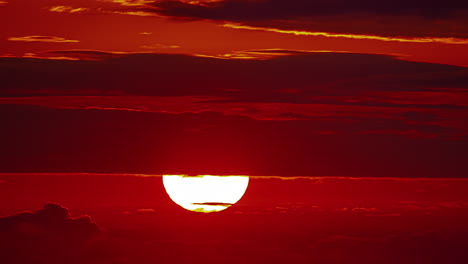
348, 114
427, 18
52, 221
307, 74
277, 9
61, 140
48, 235
298, 85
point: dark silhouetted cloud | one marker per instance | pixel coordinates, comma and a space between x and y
51, 222
438, 19
267, 116
48, 235
307, 76
95, 140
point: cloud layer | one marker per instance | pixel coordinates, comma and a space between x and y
268, 115
388, 19
51, 222
42, 39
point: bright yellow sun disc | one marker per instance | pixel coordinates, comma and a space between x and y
205, 193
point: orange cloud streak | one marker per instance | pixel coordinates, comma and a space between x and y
135, 13
42, 39
129, 2
350, 36
67, 9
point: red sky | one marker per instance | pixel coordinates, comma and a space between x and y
420, 34
252, 87
351, 117
279, 219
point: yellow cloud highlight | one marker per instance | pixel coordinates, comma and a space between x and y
201, 2
67, 9
130, 2
350, 36
265, 54
135, 13
144, 2
42, 39
3, 3
160, 46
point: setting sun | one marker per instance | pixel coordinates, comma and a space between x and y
233, 131
205, 193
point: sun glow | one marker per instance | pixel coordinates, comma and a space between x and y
205, 193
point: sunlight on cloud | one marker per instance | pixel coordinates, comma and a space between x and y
67, 9
129, 2
349, 36
42, 39
159, 46
134, 13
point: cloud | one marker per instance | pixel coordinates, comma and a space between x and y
412, 99
351, 36
134, 13
393, 120
145, 210
3, 3
140, 211
323, 106
415, 206
313, 76
440, 21
86, 54
277, 9
68, 9
363, 209
456, 204
42, 39
48, 235
51, 222
160, 46
422, 247
238, 145
129, 2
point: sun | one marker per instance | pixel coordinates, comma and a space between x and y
205, 193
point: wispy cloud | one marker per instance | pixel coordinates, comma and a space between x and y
349, 36
160, 46
134, 13
42, 39
67, 9
129, 2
